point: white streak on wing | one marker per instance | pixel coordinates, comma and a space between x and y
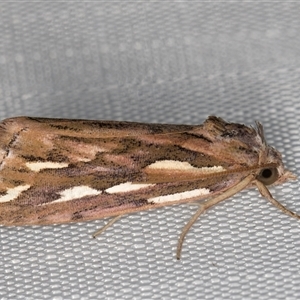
179, 196
75, 193
84, 159
127, 187
13, 193
37, 166
184, 166
211, 169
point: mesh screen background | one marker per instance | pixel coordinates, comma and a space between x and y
170, 63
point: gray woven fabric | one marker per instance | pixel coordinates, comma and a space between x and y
155, 62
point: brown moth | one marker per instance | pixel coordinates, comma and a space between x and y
59, 170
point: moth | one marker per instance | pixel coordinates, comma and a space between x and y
60, 170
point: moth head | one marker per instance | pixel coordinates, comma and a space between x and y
272, 170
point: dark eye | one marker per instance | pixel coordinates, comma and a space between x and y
268, 175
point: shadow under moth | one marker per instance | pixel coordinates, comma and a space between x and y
60, 170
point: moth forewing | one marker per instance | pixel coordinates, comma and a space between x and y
60, 170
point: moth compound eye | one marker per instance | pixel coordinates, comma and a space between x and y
268, 175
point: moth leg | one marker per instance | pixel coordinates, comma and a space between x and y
195, 204
110, 223
266, 194
209, 203
186, 228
